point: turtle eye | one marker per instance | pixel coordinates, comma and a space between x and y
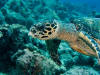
55, 27
33, 30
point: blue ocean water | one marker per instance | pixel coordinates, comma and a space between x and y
94, 4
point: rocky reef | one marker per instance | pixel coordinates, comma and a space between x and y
21, 54
16, 48
27, 12
33, 63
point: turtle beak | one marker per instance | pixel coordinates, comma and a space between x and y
30, 34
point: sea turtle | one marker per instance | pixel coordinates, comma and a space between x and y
76, 37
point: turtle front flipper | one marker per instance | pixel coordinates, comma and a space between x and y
52, 47
92, 43
82, 47
97, 40
86, 45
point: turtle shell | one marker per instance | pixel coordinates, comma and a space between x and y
89, 25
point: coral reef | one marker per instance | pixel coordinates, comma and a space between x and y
27, 12
24, 55
83, 70
12, 38
33, 63
26, 15
68, 56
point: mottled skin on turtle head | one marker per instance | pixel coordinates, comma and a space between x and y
44, 31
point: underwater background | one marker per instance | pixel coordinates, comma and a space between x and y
21, 54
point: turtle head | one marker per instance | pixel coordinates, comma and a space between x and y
44, 30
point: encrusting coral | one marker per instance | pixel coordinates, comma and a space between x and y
29, 60
33, 63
